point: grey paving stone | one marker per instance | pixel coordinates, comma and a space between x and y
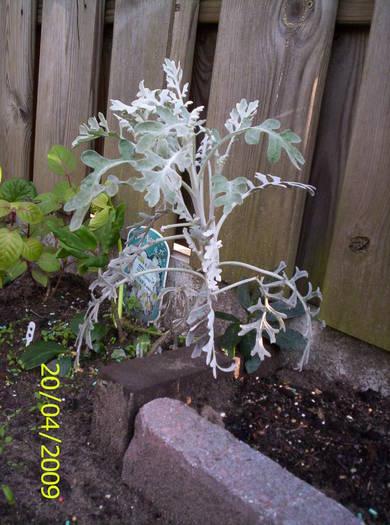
198, 473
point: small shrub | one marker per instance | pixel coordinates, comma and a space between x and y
157, 138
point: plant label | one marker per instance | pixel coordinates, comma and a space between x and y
143, 296
30, 332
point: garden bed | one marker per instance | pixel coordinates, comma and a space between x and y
90, 486
336, 439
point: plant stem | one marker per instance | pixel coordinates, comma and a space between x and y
117, 322
121, 288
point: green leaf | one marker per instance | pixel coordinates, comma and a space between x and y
40, 352
8, 439
91, 186
126, 149
87, 238
229, 193
291, 340
32, 249
64, 365
60, 160
9, 495
110, 233
48, 262
11, 245
276, 141
28, 212
16, 270
99, 219
95, 261
98, 347
244, 296
225, 316
283, 308
63, 191
252, 364
40, 277
48, 202
2, 431
75, 322
99, 332
75, 243
230, 338
247, 343
5, 208
118, 353
17, 190
100, 202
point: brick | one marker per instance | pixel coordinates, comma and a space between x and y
197, 472
123, 388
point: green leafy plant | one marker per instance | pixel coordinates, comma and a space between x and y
5, 439
23, 224
157, 138
92, 244
232, 341
56, 345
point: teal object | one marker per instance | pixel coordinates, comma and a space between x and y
146, 288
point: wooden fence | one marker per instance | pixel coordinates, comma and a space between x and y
320, 66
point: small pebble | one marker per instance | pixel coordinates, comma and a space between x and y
350, 418
107, 496
223, 414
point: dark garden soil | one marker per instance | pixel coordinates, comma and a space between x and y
336, 439
90, 486
325, 433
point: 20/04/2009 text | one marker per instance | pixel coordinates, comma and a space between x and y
51, 409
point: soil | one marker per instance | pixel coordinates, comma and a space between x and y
326, 433
90, 487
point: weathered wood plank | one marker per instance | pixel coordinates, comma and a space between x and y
184, 35
350, 12
68, 77
17, 54
357, 12
206, 41
332, 144
104, 78
144, 34
357, 281
279, 55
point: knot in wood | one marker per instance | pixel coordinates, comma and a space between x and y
359, 244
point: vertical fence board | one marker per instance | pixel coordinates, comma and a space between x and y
202, 70
141, 42
184, 35
357, 281
279, 55
330, 155
68, 77
17, 54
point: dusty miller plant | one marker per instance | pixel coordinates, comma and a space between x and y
157, 137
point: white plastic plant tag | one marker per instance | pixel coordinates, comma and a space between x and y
30, 332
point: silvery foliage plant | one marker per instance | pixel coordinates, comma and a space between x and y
158, 135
